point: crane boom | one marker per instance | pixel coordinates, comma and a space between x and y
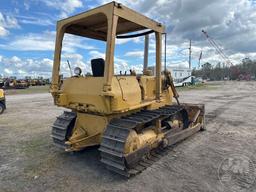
217, 48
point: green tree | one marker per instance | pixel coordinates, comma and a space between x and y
206, 69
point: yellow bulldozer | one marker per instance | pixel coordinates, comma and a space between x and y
2, 101
131, 117
13, 83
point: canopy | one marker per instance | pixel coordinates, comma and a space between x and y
94, 23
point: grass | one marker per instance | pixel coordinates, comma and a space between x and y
201, 86
30, 90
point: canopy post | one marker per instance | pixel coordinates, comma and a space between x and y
110, 50
158, 64
145, 66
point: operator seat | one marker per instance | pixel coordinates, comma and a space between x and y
98, 66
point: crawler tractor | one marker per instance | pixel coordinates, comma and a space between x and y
131, 117
2, 101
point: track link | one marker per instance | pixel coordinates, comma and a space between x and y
62, 128
117, 131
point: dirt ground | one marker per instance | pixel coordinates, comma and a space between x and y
30, 162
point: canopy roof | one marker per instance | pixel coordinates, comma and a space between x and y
94, 23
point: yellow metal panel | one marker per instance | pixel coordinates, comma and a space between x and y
1, 93
85, 94
87, 131
130, 89
148, 84
126, 93
62, 99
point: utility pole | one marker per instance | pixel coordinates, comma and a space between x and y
189, 58
199, 60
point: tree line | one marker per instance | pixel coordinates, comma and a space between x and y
246, 70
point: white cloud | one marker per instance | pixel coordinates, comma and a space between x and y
36, 20
66, 7
96, 54
235, 58
15, 66
45, 41
233, 25
7, 22
8, 71
32, 42
231, 22
75, 60
26, 5
72, 42
134, 40
3, 31
119, 63
134, 54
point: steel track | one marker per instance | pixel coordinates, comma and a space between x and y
62, 127
117, 131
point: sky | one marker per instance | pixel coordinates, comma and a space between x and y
27, 34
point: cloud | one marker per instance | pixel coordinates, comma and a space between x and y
36, 20
231, 22
120, 64
75, 60
7, 22
235, 58
45, 41
134, 54
26, 5
134, 40
32, 42
8, 71
65, 7
3, 31
15, 66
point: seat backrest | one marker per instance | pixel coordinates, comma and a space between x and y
98, 66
